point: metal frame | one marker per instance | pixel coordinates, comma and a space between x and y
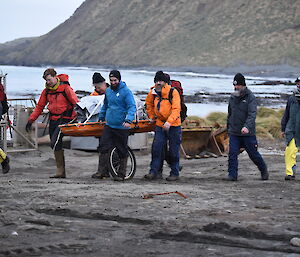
6, 124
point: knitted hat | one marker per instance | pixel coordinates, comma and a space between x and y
239, 79
97, 78
160, 76
116, 74
168, 78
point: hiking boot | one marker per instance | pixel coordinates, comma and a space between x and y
5, 165
58, 176
172, 178
265, 175
289, 177
122, 169
120, 179
99, 175
150, 176
230, 178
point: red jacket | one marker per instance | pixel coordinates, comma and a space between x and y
2, 93
61, 103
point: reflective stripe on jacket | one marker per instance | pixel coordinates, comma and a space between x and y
161, 109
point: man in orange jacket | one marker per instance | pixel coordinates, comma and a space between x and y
61, 101
164, 110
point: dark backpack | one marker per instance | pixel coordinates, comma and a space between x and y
175, 84
5, 106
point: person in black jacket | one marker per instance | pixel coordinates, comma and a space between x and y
290, 129
241, 128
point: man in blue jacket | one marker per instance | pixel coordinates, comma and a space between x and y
241, 128
290, 127
118, 111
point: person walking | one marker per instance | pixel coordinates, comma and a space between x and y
61, 100
118, 111
100, 89
4, 159
241, 128
99, 84
165, 112
290, 128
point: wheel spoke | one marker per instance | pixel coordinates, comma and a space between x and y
114, 161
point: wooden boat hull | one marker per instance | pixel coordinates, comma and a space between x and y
95, 129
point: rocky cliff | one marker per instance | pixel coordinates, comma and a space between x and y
167, 33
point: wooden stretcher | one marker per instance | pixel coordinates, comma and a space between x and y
95, 129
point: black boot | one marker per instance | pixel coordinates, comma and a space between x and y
264, 175
5, 165
122, 170
102, 172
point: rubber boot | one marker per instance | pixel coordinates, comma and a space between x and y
5, 165
102, 172
122, 170
4, 162
60, 164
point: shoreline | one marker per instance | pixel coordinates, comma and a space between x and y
275, 70
282, 70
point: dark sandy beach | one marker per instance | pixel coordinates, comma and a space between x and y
79, 216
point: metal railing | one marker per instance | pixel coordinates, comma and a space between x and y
13, 136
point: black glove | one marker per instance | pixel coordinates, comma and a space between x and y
28, 126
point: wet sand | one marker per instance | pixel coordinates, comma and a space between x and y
80, 216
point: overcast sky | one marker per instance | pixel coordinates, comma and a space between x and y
27, 18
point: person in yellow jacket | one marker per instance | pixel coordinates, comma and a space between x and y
4, 160
163, 107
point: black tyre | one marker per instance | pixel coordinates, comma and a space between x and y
114, 163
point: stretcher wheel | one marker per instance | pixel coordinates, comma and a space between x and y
114, 163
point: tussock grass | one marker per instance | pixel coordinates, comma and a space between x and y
217, 117
267, 121
265, 112
268, 126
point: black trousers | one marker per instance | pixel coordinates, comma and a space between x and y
114, 138
55, 134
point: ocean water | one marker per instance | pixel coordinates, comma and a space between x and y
23, 81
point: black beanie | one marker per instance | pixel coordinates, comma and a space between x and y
116, 74
160, 76
97, 78
239, 79
168, 78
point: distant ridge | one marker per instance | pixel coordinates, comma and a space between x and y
169, 33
